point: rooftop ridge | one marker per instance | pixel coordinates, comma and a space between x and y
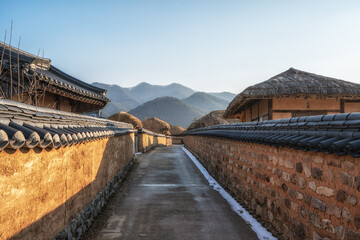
294, 82
23, 52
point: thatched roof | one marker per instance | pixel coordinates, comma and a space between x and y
210, 119
156, 125
126, 117
293, 83
176, 130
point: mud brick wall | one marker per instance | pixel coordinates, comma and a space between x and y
301, 195
42, 190
147, 141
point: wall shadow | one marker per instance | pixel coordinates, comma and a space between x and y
118, 152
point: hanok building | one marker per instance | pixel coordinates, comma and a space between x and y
294, 93
30, 79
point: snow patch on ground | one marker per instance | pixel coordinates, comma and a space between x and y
260, 231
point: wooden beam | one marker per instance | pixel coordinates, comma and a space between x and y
300, 111
350, 101
270, 109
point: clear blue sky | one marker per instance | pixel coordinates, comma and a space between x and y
206, 45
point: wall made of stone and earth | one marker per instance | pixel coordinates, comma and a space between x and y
147, 141
43, 190
298, 195
178, 139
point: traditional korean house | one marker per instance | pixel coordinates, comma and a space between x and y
294, 93
30, 79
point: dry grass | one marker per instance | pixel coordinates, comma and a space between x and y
157, 125
128, 118
211, 119
176, 130
294, 83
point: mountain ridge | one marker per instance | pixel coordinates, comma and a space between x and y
129, 98
206, 102
169, 109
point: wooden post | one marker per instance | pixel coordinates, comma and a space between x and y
270, 109
18, 63
342, 105
11, 86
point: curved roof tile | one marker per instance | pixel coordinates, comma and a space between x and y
23, 125
315, 133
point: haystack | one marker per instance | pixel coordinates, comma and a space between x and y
156, 125
176, 130
126, 117
294, 83
210, 119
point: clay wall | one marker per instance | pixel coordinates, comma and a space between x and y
306, 104
43, 189
147, 141
296, 194
297, 107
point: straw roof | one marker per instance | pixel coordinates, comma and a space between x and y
156, 125
176, 130
210, 119
126, 117
294, 83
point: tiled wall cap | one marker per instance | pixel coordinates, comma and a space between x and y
337, 133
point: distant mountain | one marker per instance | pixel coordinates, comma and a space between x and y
169, 109
125, 99
121, 99
145, 92
228, 96
206, 102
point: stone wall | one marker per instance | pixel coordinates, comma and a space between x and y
296, 194
42, 190
178, 139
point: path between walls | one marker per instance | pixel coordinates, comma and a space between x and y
167, 197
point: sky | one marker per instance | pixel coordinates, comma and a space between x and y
207, 45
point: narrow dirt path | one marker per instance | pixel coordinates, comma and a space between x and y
166, 197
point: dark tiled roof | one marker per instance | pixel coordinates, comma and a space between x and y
52, 76
294, 83
143, 130
337, 133
23, 125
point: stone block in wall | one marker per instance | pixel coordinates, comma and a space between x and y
317, 173
301, 182
339, 230
315, 220
329, 174
357, 180
349, 165
333, 210
345, 213
325, 191
312, 186
352, 200
307, 171
326, 224
341, 196
318, 204
352, 235
346, 178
